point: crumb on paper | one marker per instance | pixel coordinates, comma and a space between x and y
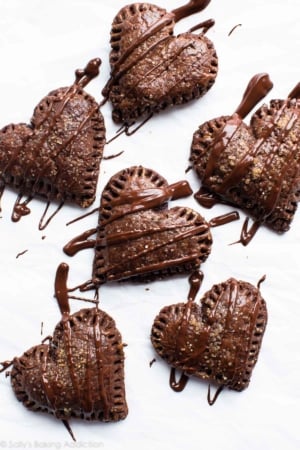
151, 362
234, 28
21, 253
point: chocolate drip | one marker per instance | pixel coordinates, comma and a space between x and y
224, 219
80, 242
61, 291
5, 365
295, 93
44, 223
179, 385
210, 400
20, 209
195, 281
247, 234
192, 7
205, 25
91, 70
257, 89
206, 198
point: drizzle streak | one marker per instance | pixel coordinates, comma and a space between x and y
21, 253
192, 7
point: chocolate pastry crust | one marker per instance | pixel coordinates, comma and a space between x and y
255, 167
139, 237
151, 69
58, 155
80, 372
218, 339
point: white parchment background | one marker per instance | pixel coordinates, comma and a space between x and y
41, 44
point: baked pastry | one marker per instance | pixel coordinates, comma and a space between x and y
138, 237
80, 372
151, 69
255, 167
58, 155
216, 340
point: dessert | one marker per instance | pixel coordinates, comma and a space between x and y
255, 167
58, 155
217, 340
138, 237
79, 372
151, 69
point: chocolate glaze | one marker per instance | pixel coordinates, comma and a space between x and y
217, 340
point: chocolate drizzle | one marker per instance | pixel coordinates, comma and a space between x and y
268, 154
217, 340
47, 158
192, 7
145, 50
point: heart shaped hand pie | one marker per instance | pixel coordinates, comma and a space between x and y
138, 236
58, 155
150, 68
80, 373
255, 167
218, 340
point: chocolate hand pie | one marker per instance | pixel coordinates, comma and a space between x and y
58, 155
216, 340
80, 372
255, 167
151, 69
138, 237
